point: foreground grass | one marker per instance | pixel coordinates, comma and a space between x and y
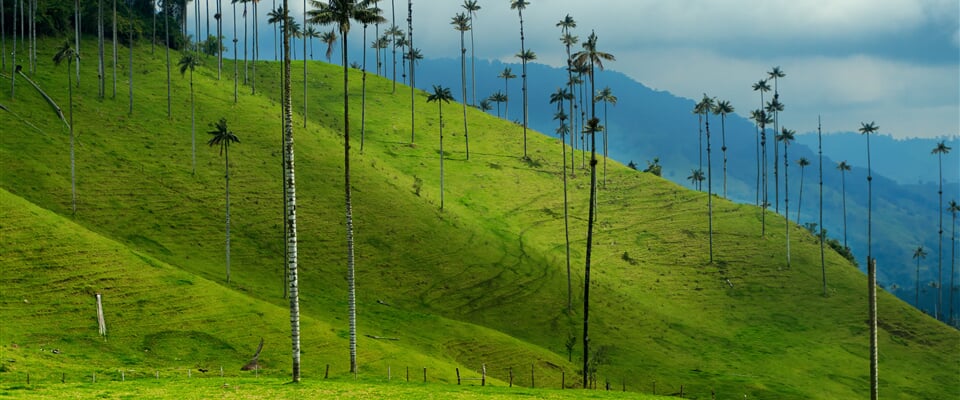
278, 388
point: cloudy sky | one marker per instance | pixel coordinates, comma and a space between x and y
896, 62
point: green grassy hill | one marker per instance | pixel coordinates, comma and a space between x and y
482, 282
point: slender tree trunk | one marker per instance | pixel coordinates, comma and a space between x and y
227, 179
869, 205
393, 22
440, 104
709, 187
953, 246
786, 199
245, 43
524, 65
700, 139
13, 55
219, 21
291, 202
3, 33
566, 221
940, 243
916, 295
473, 62
73, 170
723, 148
764, 203
236, 66
193, 125
872, 294
757, 135
776, 170
413, 62
363, 90
166, 37
256, 49
843, 185
506, 92
206, 17
800, 198
463, 85
823, 264
101, 89
305, 39
351, 291
130, 69
153, 37
114, 48
590, 223
605, 128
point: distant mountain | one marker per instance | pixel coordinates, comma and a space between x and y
647, 124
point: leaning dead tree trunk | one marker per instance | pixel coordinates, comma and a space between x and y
254, 361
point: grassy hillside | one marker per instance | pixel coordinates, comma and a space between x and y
483, 281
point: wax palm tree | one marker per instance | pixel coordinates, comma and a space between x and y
803, 163
774, 107
762, 87
867, 129
373, 17
440, 95
568, 41
471, 8
166, 41
524, 56
592, 57
114, 26
222, 137
340, 13
506, 75
461, 23
330, 39
696, 178
311, 33
290, 202
953, 208
275, 18
244, 15
558, 98
381, 44
701, 110
939, 151
707, 106
101, 66
190, 61
413, 56
485, 105
68, 54
786, 136
607, 97
394, 33
402, 43
236, 64
823, 234
498, 98
918, 255
723, 108
844, 167
256, 47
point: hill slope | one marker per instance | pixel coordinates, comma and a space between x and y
492, 263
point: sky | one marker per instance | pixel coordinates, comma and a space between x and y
895, 62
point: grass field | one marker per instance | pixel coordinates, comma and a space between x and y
481, 282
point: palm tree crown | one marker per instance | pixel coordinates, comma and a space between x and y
221, 136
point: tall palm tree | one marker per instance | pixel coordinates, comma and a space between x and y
867, 129
803, 163
461, 23
823, 262
440, 95
700, 110
414, 55
330, 39
77, 18
256, 47
786, 136
918, 255
166, 41
506, 75
953, 208
394, 33
707, 105
189, 61
222, 137
311, 33
381, 45
723, 108
558, 98
844, 167
130, 52
290, 201
340, 13
607, 97
402, 43
521, 5
568, 41
236, 65
774, 107
696, 178
471, 7
114, 25
244, 15
485, 105
68, 54
372, 17
762, 87
498, 98
940, 150
593, 58
525, 57
101, 72
13, 55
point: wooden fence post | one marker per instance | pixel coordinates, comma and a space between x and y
326, 374
483, 377
654, 387
511, 376
424, 374
532, 380
563, 380
408, 374
681, 391
388, 373
458, 376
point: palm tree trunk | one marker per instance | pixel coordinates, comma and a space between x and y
566, 221
291, 202
573, 117
305, 39
351, 291
757, 136
3, 34
590, 223
413, 63
786, 199
193, 125
723, 148
776, 170
114, 48
843, 192
100, 67
227, 179
823, 264
940, 243
953, 246
605, 128
236, 66
463, 85
764, 205
916, 295
13, 55
245, 24
153, 37
73, 170
524, 65
207, 18
363, 90
440, 104
219, 22
166, 41
130, 69
800, 198
256, 50
393, 22
869, 206
506, 92
709, 187
872, 294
